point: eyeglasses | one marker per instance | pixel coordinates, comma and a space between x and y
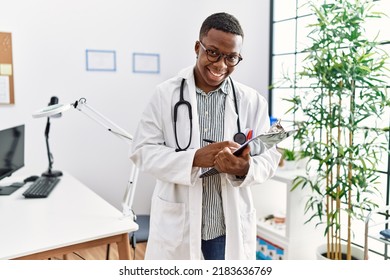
215, 56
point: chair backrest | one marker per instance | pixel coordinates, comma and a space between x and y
142, 234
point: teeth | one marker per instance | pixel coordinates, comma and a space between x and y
216, 74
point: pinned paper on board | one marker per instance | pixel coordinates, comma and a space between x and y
4, 90
6, 69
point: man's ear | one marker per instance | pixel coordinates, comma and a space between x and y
197, 46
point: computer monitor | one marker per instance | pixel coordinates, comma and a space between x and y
11, 150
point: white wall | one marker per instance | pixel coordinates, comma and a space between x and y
49, 42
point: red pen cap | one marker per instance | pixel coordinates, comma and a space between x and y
249, 135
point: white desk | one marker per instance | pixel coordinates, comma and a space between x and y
73, 217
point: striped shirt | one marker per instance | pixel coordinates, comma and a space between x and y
211, 110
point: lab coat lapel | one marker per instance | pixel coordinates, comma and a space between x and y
194, 192
230, 126
195, 118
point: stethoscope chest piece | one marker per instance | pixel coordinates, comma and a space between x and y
239, 138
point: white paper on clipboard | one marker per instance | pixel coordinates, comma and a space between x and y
267, 139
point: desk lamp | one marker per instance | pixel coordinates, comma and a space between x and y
82, 106
50, 172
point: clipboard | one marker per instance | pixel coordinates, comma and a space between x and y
269, 139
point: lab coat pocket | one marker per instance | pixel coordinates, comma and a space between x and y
248, 229
169, 222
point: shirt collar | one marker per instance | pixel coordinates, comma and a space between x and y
223, 88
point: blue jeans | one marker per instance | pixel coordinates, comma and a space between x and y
214, 249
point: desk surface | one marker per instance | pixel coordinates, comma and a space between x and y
71, 214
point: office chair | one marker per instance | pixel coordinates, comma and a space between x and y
142, 234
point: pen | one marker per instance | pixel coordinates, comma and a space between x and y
208, 141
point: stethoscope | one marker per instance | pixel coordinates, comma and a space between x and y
239, 137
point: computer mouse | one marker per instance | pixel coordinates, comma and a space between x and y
31, 178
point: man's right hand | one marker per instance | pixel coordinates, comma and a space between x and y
205, 157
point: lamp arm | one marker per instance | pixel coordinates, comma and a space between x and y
96, 116
128, 197
49, 155
127, 201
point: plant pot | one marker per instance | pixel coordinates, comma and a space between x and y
302, 162
290, 164
357, 253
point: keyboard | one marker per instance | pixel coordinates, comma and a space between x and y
42, 187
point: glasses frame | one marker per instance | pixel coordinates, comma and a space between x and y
218, 58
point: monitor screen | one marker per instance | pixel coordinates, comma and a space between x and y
11, 150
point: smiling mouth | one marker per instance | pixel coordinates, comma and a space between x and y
216, 74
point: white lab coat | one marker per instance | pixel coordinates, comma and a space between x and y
176, 211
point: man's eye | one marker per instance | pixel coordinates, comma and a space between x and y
232, 58
213, 53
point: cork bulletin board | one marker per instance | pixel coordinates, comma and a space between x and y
6, 70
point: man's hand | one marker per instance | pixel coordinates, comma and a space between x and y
226, 162
220, 155
205, 157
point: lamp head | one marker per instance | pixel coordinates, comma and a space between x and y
52, 110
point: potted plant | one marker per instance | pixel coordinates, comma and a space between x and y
289, 158
339, 130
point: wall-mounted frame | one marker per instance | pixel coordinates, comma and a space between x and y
100, 60
7, 94
148, 63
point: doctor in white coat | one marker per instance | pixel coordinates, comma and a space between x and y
168, 144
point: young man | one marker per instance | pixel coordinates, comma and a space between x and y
211, 217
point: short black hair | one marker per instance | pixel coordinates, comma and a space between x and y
223, 22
